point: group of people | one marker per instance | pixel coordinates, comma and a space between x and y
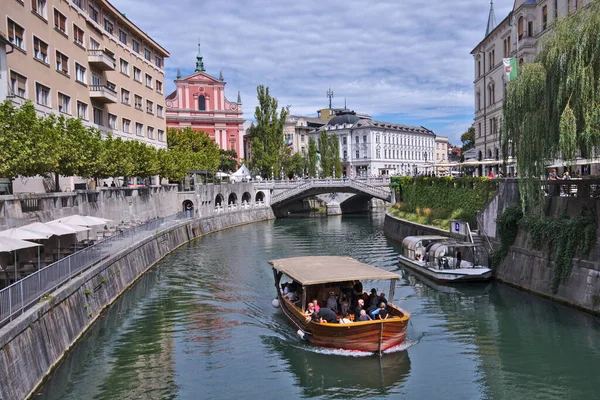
351, 306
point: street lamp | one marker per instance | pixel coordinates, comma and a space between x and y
425, 157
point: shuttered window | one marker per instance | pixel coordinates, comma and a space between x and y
18, 84
60, 21
40, 50
62, 63
15, 34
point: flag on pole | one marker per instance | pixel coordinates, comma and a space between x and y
510, 68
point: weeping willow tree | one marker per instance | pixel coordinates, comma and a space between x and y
552, 110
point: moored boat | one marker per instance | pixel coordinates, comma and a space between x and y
319, 276
445, 260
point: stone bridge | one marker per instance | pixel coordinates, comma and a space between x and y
285, 193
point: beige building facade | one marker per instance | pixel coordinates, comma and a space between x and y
441, 149
83, 58
517, 35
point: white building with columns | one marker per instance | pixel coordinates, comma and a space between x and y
375, 148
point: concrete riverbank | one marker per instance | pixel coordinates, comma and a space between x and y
35, 342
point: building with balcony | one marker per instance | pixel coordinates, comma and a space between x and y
199, 102
376, 148
85, 59
518, 35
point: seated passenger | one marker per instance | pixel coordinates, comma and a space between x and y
364, 316
373, 298
327, 315
316, 304
310, 310
382, 298
358, 309
345, 319
332, 302
344, 305
383, 312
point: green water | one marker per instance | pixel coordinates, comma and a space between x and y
201, 326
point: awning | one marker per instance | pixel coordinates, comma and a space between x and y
52, 229
10, 244
75, 228
81, 220
577, 162
322, 269
23, 234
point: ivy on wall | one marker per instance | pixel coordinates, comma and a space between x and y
446, 197
508, 228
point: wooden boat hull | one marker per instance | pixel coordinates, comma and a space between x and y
369, 336
449, 276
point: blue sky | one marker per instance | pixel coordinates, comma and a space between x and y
404, 61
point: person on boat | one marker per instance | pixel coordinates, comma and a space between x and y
326, 315
310, 311
344, 304
458, 258
358, 309
383, 312
373, 298
332, 302
364, 316
345, 319
382, 298
316, 305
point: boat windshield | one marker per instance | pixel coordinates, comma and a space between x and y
457, 255
414, 247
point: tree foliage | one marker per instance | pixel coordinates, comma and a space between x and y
267, 135
228, 160
468, 139
201, 152
311, 161
329, 151
552, 110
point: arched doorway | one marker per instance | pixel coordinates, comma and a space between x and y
219, 200
260, 196
232, 199
188, 208
246, 198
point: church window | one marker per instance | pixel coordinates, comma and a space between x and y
521, 27
201, 103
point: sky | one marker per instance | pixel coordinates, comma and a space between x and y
403, 61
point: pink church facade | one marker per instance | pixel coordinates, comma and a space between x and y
199, 102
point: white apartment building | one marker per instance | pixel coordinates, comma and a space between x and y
517, 35
375, 148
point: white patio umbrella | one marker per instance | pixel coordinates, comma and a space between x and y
8, 245
82, 220
57, 230
24, 234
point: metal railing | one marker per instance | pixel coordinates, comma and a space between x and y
582, 188
16, 298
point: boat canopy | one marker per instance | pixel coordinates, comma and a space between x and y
324, 269
413, 242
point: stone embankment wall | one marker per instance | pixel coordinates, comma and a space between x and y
531, 270
398, 229
33, 344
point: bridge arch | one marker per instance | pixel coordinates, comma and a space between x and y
232, 199
219, 200
246, 198
260, 196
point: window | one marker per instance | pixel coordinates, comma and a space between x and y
159, 112
161, 135
122, 36
544, 17
82, 110
125, 96
112, 121
344, 140
150, 132
358, 154
478, 100
42, 95
40, 50
78, 35
62, 63
98, 114
147, 54
39, 7
555, 10
364, 138
126, 125
356, 139
108, 26
149, 107
135, 45
60, 21
530, 28
124, 67
94, 45
15, 34
139, 129
201, 103
491, 57
138, 102
96, 80
478, 69
18, 84
64, 103
78, 3
80, 74
148, 81
137, 74
521, 27
159, 88
93, 12
479, 130
158, 61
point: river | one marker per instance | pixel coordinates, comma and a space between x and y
201, 325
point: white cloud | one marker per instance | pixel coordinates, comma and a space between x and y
405, 60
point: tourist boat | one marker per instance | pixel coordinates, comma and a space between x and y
316, 277
437, 258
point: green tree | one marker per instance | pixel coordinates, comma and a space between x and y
312, 158
468, 139
334, 156
324, 153
228, 160
202, 152
173, 164
293, 164
552, 110
144, 159
267, 135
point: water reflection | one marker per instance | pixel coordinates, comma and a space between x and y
323, 373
